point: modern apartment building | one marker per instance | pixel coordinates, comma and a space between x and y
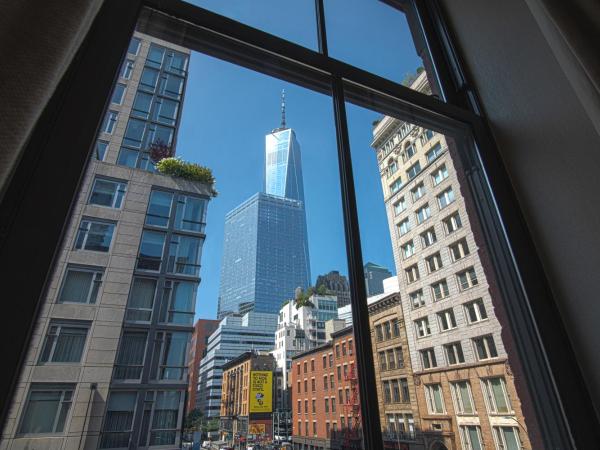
265, 250
248, 399
464, 384
374, 276
203, 328
235, 335
325, 400
107, 363
337, 284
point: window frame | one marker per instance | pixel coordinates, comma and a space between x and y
525, 287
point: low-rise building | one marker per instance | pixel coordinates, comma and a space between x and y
247, 399
325, 399
202, 331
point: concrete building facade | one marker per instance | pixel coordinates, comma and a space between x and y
107, 367
463, 381
203, 328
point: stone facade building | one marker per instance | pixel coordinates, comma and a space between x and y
464, 385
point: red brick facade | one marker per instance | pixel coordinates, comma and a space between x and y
202, 330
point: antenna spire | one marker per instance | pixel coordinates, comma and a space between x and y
283, 108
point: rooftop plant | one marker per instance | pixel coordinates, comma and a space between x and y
176, 167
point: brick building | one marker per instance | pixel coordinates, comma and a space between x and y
325, 403
247, 398
202, 330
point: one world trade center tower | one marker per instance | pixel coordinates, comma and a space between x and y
265, 252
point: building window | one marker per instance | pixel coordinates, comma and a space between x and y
403, 227
330, 360
299, 390
387, 330
305, 386
134, 46
387, 393
391, 359
428, 358
426, 136
64, 342
141, 300
423, 213
100, 149
337, 351
331, 383
496, 396
159, 208
126, 69
171, 355
118, 94
507, 438
422, 327
94, 235
399, 206
435, 151
434, 262
445, 198
163, 414
409, 152
190, 214
417, 299
118, 421
396, 185
435, 400
395, 328
379, 333
80, 285
412, 274
428, 237
184, 255
299, 403
333, 407
344, 349
462, 397
399, 357
313, 386
408, 249
485, 348
305, 366
395, 391
326, 405
110, 120
325, 384
459, 250
447, 320
392, 168
475, 311
470, 435
130, 359
404, 390
413, 170
452, 223
46, 408
107, 193
467, 279
439, 175
382, 361
151, 250
418, 192
454, 353
440, 290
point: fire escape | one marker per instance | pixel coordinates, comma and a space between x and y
351, 435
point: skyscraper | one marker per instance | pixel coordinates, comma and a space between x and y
265, 250
374, 276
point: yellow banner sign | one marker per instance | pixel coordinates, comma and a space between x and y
261, 391
257, 428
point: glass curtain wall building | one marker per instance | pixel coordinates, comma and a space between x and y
265, 250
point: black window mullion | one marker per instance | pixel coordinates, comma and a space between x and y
321, 27
371, 429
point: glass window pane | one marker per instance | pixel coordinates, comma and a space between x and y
391, 50
141, 105
149, 79
159, 208
179, 302
184, 255
141, 299
151, 250
134, 133
41, 412
77, 286
130, 359
289, 19
190, 213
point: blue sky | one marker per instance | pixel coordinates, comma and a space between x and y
228, 110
